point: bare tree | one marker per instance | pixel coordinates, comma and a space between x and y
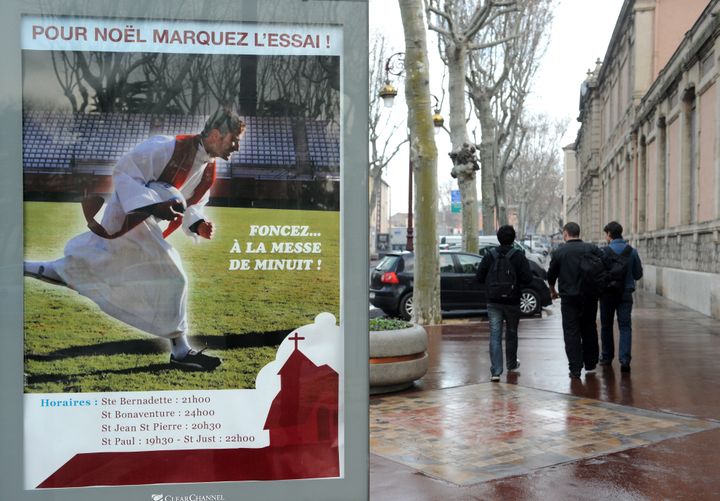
68, 76
423, 154
147, 82
535, 181
179, 83
458, 25
197, 83
385, 140
295, 86
223, 78
498, 82
110, 79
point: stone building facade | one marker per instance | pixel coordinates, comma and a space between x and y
648, 150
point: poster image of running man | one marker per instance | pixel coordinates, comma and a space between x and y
255, 253
181, 252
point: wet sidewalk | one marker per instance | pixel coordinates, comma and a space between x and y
651, 434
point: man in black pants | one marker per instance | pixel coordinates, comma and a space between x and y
579, 308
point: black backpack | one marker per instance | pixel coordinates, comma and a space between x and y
501, 281
593, 275
617, 268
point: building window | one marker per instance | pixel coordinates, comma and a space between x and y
708, 190
662, 163
642, 187
707, 64
694, 154
629, 191
620, 91
689, 161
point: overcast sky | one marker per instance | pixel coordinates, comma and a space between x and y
580, 34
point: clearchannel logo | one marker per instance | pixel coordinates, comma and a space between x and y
187, 497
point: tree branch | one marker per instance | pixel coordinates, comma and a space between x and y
477, 20
439, 30
439, 13
480, 46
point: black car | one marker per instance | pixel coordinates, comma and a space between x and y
391, 285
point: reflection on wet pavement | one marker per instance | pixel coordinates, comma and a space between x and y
475, 433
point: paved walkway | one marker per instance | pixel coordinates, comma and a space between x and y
651, 434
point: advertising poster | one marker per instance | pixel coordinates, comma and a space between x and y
182, 256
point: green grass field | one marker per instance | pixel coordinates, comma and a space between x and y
71, 345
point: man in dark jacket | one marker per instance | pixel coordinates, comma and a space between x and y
504, 270
578, 306
619, 301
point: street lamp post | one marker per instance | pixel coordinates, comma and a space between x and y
409, 242
388, 93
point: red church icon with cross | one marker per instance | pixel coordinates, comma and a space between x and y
305, 410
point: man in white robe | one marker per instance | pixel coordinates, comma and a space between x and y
124, 264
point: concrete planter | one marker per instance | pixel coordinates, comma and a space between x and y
397, 358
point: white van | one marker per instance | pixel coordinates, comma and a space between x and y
451, 242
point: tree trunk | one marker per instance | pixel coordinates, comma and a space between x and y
247, 95
500, 201
463, 153
423, 153
488, 155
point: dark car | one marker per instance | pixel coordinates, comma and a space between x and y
537, 270
391, 285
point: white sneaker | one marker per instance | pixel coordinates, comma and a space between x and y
516, 368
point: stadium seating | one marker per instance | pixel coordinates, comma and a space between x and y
323, 143
62, 142
267, 141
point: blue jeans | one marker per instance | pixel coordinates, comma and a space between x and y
610, 306
510, 315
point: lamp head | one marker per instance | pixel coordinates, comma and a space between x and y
388, 93
437, 118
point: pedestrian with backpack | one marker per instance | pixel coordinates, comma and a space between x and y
624, 268
579, 270
504, 270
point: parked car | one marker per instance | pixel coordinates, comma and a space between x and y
541, 260
375, 312
391, 285
538, 244
454, 242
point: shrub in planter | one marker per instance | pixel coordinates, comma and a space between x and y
388, 324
